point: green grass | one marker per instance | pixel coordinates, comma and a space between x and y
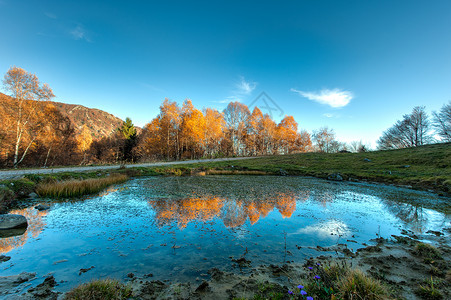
74, 188
426, 167
100, 290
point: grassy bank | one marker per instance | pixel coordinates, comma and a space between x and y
74, 188
427, 167
57, 185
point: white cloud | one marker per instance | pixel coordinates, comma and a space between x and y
244, 87
79, 33
241, 90
335, 98
328, 115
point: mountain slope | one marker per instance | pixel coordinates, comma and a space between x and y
99, 122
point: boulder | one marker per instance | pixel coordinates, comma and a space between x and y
42, 207
8, 283
10, 221
335, 177
32, 195
367, 160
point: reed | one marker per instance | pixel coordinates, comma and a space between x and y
75, 188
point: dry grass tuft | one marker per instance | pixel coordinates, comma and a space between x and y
74, 188
356, 285
105, 289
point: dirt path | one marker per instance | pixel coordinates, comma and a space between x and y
17, 173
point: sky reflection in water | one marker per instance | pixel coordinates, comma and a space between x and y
179, 227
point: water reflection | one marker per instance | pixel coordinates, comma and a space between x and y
232, 212
36, 224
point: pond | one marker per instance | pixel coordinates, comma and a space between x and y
177, 228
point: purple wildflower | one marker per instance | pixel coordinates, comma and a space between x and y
290, 292
309, 298
310, 268
300, 287
317, 277
318, 264
303, 292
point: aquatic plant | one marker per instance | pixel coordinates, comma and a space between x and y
100, 289
74, 188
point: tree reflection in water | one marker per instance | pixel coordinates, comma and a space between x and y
35, 226
233, 212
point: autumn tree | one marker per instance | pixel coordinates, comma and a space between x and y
411, 131
84, 141
214, 131
192, 130
57, 137
324, 138
28, 94
236, 117
169, 125
442, 122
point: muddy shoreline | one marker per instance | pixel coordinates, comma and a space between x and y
394, 261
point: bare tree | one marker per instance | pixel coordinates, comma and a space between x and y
442, 122
236, 116
324, 139
412, 131
28, 93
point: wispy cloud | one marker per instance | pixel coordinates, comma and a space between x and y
49, 15
79, 33
240, 91
335, 98
152, 87
245, 87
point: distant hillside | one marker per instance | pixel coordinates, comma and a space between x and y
99, 122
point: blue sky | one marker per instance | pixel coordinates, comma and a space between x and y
355, 66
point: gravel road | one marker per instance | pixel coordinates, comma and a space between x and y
18, 173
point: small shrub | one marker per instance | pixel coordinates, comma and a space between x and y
105, 289
427, 252
428, 291
7, 198
22, 187
74, 188
356, 285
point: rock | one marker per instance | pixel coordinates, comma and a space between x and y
33, 195
282, 172
203, 287
4, 258
44, 290
148, 275
367, 160
437, 233
130, 275
370, 249
7, 283
85, 270
335, 177
41, 207
10, 221
12, 232
406, 166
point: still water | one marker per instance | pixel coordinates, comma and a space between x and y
177, 228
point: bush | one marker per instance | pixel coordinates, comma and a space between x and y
7, 198
22, 187
105, 289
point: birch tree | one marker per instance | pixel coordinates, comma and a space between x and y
29, 94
